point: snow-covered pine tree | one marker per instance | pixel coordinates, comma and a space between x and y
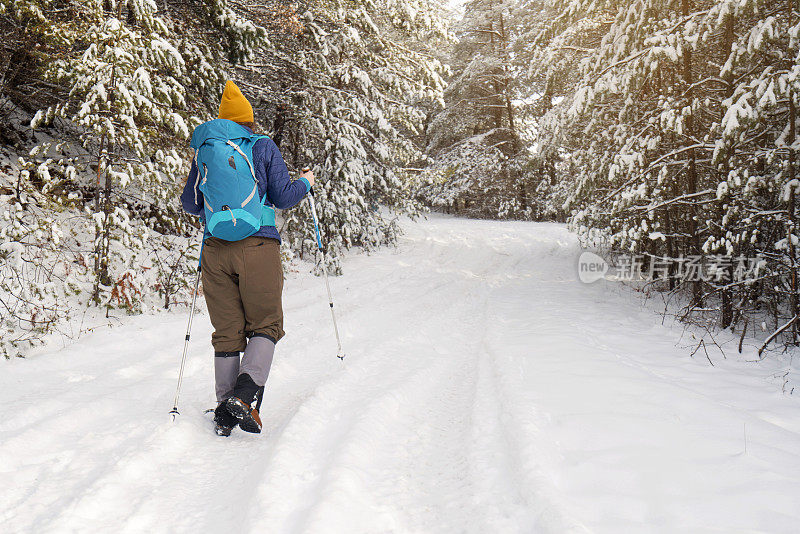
647, 166
241, 36
756, 154
476, 141
681, 140
127, 83
555, 37
124, 104
367, 72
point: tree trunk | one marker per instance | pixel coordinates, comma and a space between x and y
102, 245
790, 208
101, 165
496, 102
513, 175
278, 124
691, 174
726, 312
104, 276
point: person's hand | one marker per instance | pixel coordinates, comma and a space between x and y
308, 175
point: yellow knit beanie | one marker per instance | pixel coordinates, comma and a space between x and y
234, 105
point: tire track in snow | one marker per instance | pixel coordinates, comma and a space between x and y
332, 474
376, 381
423, 414
505, 420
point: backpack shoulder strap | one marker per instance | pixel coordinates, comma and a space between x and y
267, 211
257, 137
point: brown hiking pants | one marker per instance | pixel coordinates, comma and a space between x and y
242, 283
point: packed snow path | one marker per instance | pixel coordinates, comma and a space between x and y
485, 390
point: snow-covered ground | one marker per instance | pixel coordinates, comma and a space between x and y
484, 390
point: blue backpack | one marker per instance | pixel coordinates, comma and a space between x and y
227, 179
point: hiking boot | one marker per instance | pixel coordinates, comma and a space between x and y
247, 416
224, 420
245, 389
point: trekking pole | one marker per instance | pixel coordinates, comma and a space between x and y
174, 410
339, 353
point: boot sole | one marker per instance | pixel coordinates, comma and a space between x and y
224, 431
249, 420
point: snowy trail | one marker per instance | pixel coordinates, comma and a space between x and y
485, 390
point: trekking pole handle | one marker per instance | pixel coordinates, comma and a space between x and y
308, 169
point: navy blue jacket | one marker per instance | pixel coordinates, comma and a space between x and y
273, 180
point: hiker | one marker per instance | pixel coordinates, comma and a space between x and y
240, 258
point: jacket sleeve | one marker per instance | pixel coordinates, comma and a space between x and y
282, 192
192, 197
